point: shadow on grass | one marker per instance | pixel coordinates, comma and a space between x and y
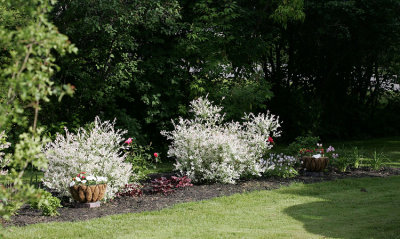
358, 208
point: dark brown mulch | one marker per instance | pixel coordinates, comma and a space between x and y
149, 201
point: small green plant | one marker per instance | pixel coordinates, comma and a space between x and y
356, 157
302, 142
141, 159
47, 203
343, 161
377, 160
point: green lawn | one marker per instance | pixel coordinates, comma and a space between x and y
389, 146
162, 167
30, 176
337, 209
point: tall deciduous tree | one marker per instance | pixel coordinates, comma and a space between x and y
143, 61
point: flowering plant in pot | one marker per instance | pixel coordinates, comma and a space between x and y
89, 188
316, 160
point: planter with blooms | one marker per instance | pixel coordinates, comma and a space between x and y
316, 160
87, 188
99, 150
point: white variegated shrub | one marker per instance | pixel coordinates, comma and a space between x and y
98, 151
208, 150
4, 161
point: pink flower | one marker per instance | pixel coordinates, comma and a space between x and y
270, 139
330, 149
156, 155
128, 141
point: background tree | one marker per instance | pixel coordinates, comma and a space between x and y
340, 69
311, 62
143, 61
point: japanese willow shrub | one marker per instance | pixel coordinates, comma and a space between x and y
4, 161
98, 151
207, 149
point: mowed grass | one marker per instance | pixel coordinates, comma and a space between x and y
30, 176
162, 167
350, 208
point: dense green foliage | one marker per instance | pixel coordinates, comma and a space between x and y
301, 142
143, 160
29, 43
332, 57
311, 62
326, 67
143, 61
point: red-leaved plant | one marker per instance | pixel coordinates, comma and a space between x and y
162, 185
181, 182
167, 186
131, 190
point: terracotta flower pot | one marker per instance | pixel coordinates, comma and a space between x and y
84, 194
315, 164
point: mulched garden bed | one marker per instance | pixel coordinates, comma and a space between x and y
150, 201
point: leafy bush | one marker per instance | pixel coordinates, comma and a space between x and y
345, 159
206, 149
280, 165
342, 162
302, 142
97, 151
140, 158
47, 203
